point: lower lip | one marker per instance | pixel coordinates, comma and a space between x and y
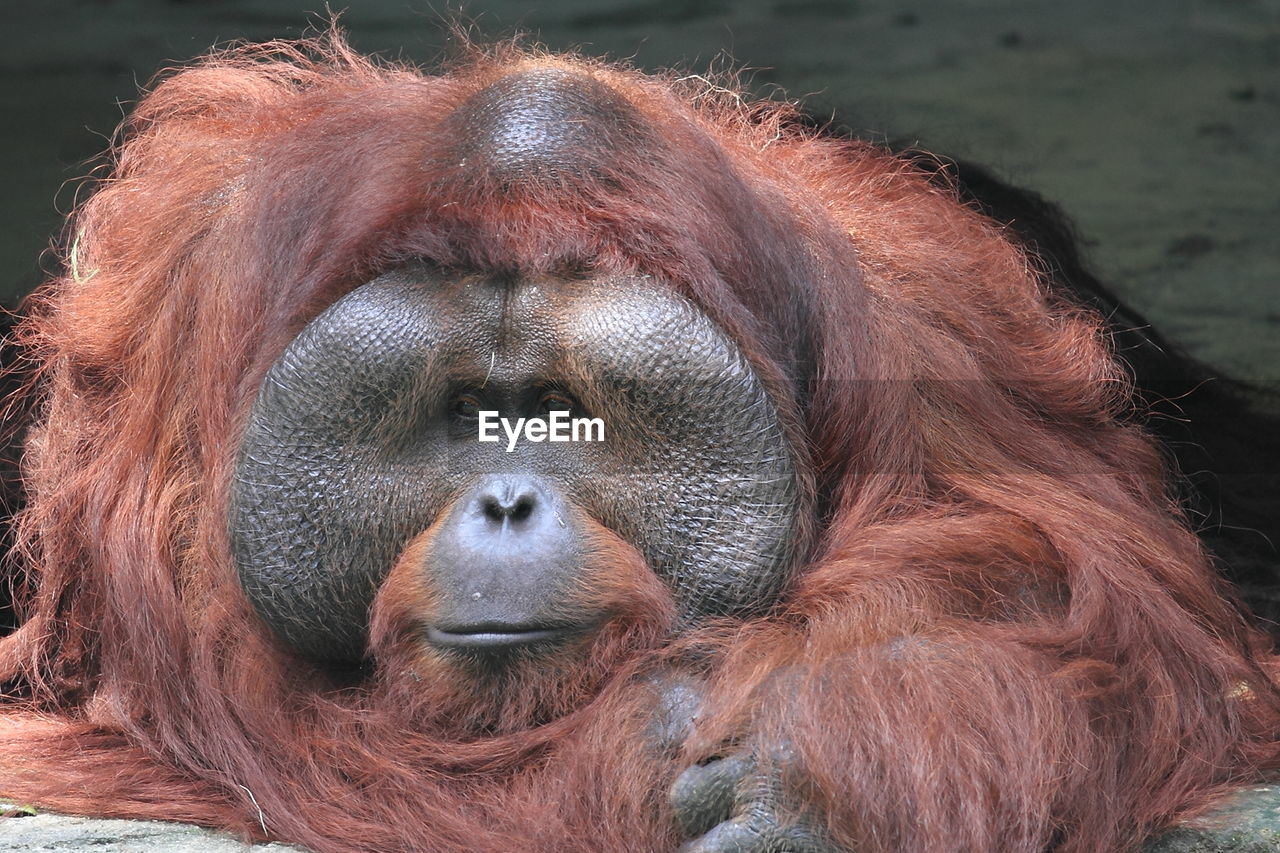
493, 639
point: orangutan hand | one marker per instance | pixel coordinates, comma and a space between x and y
737, 803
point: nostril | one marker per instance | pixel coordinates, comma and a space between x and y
492, 508
512, 506
523, 508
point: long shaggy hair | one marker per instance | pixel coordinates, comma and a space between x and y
1003, 636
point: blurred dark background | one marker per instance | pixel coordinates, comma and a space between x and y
1155, 125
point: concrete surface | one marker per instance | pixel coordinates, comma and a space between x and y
1248, 822
49, 833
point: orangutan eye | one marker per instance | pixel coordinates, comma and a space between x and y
466, 406
552, 401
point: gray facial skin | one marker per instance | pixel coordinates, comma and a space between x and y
364, 435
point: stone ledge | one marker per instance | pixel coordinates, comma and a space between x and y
51, 833
1246, 822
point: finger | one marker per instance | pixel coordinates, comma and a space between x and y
704, 794
801, 837
759, 832
745, 834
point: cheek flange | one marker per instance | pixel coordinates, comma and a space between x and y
318, 508
713, 504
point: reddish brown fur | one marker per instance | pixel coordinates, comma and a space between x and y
1004, 636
